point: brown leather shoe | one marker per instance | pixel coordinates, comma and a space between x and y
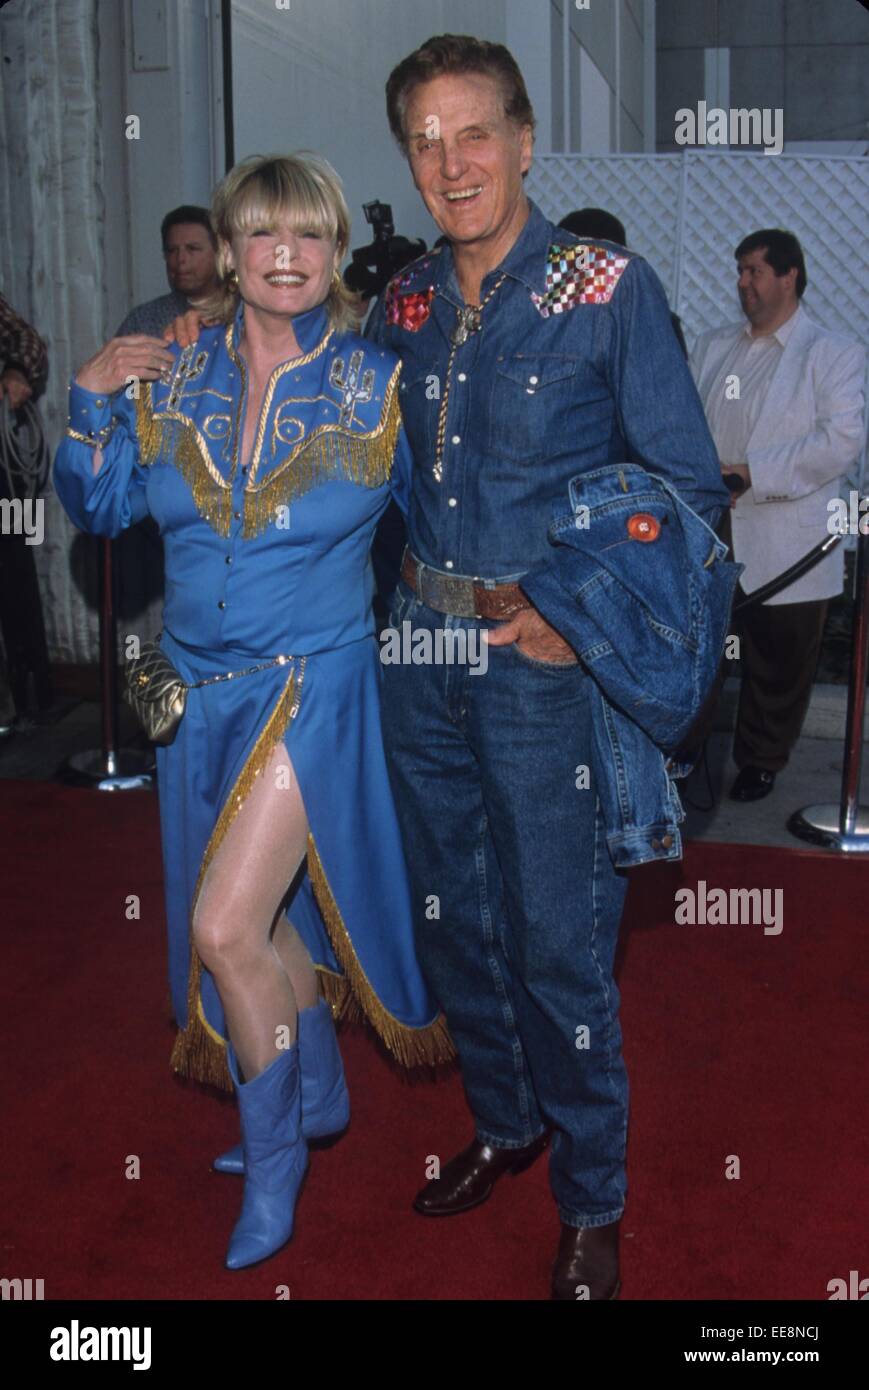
470, 1177
587, 1259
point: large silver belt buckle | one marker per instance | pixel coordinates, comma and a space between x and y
445, 594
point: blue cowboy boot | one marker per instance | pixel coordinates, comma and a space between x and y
275, 1156
325, 1101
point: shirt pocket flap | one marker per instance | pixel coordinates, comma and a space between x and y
535, 371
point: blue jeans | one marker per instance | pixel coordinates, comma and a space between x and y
516, 903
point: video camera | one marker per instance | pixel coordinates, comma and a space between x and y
373, 266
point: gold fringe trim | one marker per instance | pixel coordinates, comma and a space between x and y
199, 1052
212, 496
412, 1047
329, 452
335, 989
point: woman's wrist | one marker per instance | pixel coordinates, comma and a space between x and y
90, 414
85, 382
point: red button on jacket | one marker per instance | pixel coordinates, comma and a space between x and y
643, 527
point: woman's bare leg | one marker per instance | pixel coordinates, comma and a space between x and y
243, 891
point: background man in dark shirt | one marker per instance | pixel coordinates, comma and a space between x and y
189, 252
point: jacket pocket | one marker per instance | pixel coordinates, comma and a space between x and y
530, 402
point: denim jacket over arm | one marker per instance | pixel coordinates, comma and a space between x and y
640, 587
575, 367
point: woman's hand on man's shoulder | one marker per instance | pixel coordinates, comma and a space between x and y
185, 329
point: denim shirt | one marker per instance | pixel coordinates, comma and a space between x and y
573, 368
641, 588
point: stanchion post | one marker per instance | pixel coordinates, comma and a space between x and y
108, 658
856, 694
846, 827
108, 770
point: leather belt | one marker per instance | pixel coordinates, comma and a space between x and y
463, 598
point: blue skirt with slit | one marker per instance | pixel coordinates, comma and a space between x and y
352, 906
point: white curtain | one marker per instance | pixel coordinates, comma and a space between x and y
52, 234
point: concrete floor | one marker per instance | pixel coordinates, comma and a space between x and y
813, 774
39, 752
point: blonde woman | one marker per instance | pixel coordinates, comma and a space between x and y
266, 452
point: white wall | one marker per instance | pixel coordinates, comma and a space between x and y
313, 77
156, 63
594, 134
529, 39
602, 82
310, 74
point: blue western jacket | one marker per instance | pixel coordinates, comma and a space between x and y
639, 585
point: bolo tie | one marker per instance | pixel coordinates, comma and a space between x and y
468, 320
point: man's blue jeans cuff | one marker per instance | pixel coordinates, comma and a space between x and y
498, 1143
571, 1218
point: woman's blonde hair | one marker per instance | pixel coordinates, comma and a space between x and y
301, 189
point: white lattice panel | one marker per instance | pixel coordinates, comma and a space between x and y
686, 213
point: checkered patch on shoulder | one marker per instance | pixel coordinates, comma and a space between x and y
408, 311
580, 274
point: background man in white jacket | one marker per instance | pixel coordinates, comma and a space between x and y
784, 399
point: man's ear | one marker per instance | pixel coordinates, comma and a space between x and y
526, 147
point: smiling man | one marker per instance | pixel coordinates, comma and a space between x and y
529, 357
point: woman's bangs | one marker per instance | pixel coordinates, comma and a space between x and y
276, 195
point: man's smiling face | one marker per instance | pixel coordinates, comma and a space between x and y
467, 158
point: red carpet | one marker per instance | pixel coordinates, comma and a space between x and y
738, 1043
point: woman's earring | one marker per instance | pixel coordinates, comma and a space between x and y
232, 280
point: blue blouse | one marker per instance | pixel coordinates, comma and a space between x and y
281, 564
